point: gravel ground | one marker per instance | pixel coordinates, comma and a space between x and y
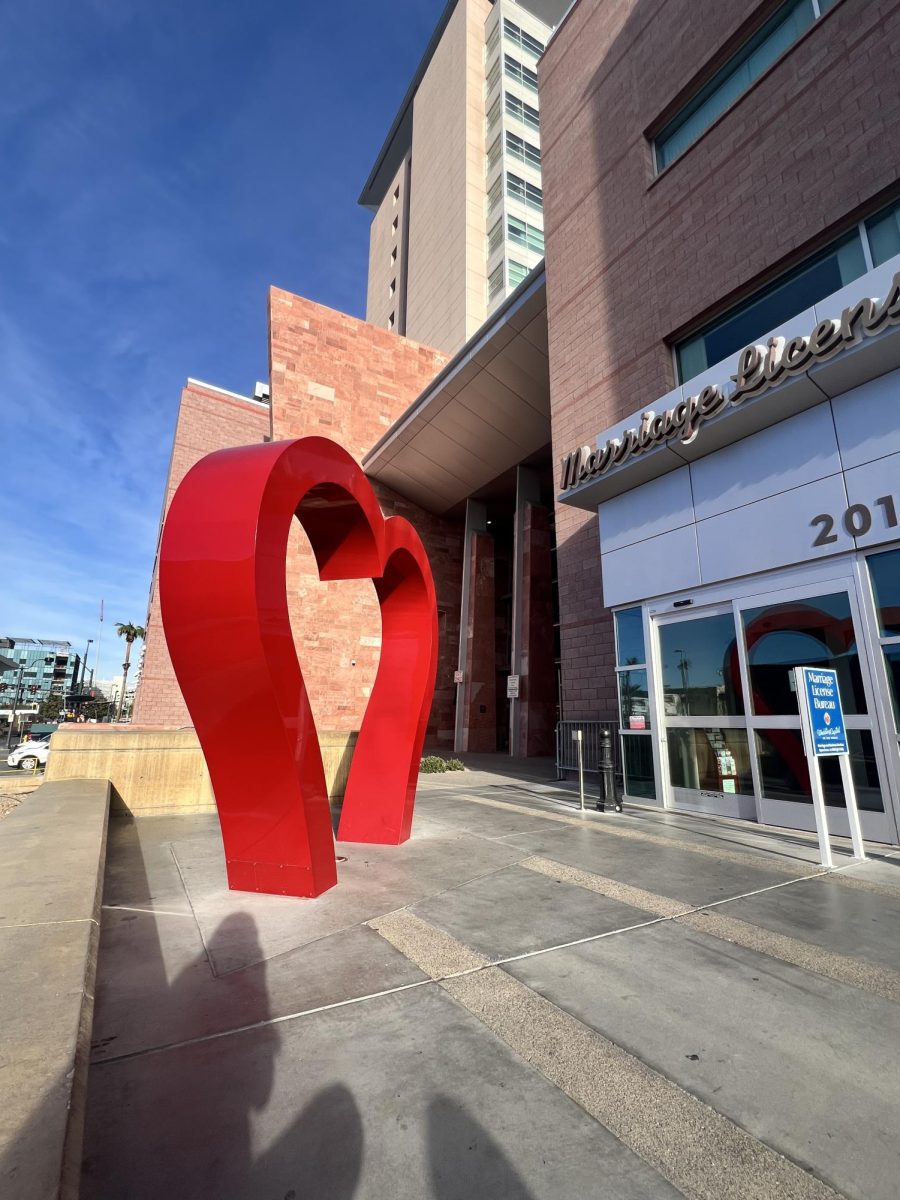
8, 803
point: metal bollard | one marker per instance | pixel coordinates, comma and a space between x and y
607, 770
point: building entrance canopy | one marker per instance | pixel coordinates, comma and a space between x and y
487, 411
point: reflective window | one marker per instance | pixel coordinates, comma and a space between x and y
700, 668
495, 282
517, 147
521, 38
630, 637
521, 111
637, 756
634, 704
520, 73
525, 235
817, 632
734, 78
770, 307
785, 774
517, 273
710, 760
885, 572
884, 234
892, 662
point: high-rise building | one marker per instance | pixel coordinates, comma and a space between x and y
456, 188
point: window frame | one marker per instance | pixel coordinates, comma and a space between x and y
860, 230
727, 71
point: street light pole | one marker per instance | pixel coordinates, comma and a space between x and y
15, 705
87, 651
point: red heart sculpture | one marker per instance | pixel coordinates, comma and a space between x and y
224, 604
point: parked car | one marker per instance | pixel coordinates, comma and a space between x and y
29, 755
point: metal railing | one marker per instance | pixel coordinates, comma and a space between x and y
567, 747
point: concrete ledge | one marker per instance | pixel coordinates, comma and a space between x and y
162, 769
52, 859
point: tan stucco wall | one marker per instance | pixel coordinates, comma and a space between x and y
445, 290
163, 768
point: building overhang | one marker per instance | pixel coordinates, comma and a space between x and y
487, 411
590, 475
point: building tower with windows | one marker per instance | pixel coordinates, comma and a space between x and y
456, 187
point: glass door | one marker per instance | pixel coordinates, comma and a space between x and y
794, 627
705, 751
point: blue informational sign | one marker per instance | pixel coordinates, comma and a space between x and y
826, 716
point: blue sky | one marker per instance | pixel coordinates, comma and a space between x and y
163, 163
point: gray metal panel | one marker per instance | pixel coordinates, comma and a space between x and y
667, 563
657, 507
865, 485
788, 455
868, 420
775, 532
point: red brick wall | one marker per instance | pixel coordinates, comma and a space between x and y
537, 704
208, 420
335, 376
633, 258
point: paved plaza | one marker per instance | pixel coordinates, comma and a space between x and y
520, 1002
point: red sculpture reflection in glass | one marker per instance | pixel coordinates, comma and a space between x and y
224, 604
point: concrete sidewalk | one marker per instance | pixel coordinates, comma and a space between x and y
520, 1002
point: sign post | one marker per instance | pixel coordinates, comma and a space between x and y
825, 736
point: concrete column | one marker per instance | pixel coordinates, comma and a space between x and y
476, 523
528, 491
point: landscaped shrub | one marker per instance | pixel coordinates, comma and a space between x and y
433, 764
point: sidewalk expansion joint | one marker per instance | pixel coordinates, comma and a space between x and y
842, 968
737, 857
700, 1151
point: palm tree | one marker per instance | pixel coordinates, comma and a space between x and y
130, 633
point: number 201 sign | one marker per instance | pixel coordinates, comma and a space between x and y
857, 521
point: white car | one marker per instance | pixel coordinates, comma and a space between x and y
29, 755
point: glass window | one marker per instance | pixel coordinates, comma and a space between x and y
493, 115
700, 668
495, 282
518, 148
817, 632
799, 289
493, 76
525, 235
637, 761
493, 156
522, 190
517, 273
521, 111
885, 572
495, 193
519, 37
784, 772
730, 82
495, 237
710, 760
630, 637
493, 39
634, 703
892, 662
884, 234
521, 74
